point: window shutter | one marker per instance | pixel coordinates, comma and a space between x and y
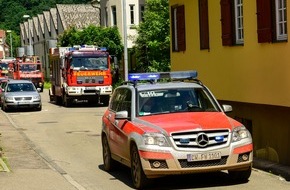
226, 22
181, 28
203, 24
264, 21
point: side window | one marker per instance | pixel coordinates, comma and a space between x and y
115, 99
178, 28
232, 22
271, 20
121, 100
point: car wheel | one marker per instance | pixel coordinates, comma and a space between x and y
138, 176
4, 108
241, 175
39, 108
66, 101
109, 163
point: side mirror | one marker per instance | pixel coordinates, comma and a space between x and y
227, 108
121, 115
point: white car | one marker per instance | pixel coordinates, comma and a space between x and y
20, 94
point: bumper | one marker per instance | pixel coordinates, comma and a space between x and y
89, 91
156, 164
23, 105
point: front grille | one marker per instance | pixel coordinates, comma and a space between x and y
91, 79
91, 91
22, 98
197, 164
200, 139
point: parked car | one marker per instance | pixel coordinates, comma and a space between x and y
20, 94
176, 127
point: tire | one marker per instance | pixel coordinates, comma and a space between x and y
240, 175
58, 100
139, 178
4, 108
109, 163
66, 101
39, 108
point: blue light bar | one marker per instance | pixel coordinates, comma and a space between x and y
143, 76
102, 48
163, 75
72, 48
183, 74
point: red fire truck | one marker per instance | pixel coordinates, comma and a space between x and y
80, 74
29, 68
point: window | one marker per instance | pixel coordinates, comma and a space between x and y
232, 22
271, 21
106, 15
132, 14
239, 25
178, 28
281, 20
114, 16
121, 100
142, 9
203, 24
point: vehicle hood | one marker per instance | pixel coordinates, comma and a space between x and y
22, 94
180, 122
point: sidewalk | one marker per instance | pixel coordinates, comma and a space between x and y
272, 167
26, 169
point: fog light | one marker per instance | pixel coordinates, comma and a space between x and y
156, 164
245, 157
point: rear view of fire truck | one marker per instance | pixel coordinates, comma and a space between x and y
80, 73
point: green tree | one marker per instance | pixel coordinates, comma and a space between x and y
94, 35
153, 42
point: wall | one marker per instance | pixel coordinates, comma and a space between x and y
253, 78
256, 73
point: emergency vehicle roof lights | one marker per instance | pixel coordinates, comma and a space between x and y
163, 75
143, 76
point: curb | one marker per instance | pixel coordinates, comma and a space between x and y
272, 167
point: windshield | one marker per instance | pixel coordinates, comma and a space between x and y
92, 63
4, 66
29, 67
179, 100
20, 87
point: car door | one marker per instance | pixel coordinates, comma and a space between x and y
118, 139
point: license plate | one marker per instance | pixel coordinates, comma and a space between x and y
90, 88
203, 156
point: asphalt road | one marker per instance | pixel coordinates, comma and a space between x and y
66, 142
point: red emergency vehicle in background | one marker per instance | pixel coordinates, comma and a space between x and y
28, 68
80, 73
6, 67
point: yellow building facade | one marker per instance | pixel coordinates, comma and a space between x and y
252, 75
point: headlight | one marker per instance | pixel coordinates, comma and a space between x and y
240, 133
36, 97
71, 88
9, 98
155, 139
